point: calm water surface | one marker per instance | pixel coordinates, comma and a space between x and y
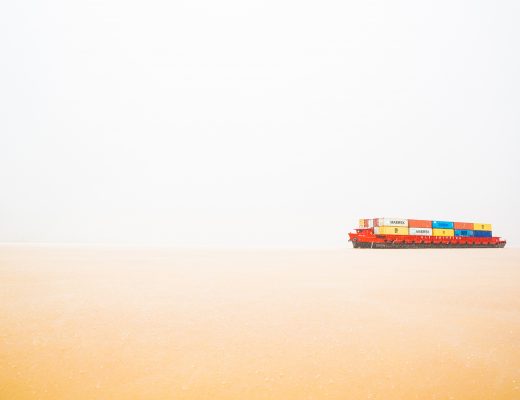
116, 323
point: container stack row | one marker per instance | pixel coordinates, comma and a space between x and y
400, 226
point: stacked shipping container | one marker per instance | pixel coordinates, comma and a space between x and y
420, 227
400, 226
390, 230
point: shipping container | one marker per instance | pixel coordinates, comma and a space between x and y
482, 227
483, 233
369, 223
420, 231
463, 225
463, 232
443, 232
361, 223
419, 223
392, 222
390, 230
442, 225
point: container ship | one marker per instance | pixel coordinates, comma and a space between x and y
398, 233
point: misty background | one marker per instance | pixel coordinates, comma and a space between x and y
255, 124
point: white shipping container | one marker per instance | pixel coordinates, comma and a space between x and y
370, 223
421, 231
393, 222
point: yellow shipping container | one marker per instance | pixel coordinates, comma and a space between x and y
390, 230
482, 227
443, 232
361, 223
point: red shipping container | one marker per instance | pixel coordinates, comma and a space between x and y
419, 223
463, 225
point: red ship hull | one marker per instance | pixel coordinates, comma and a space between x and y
365, 238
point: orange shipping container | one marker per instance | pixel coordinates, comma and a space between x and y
419, 223
463, 225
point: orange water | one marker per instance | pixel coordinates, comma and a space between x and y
100, 323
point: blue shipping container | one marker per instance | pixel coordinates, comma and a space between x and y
442, 225
463, 232
482, 233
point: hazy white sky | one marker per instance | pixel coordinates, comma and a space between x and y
255, 123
